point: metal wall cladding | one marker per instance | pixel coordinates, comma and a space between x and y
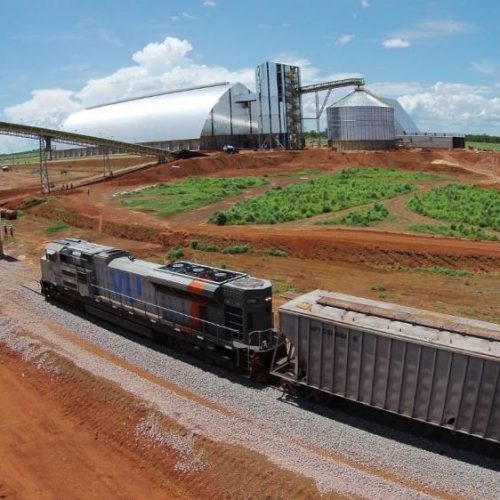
428, 141
229, 117
361, 123
177, 116
273, 100
443, 387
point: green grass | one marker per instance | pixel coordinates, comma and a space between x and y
56, 227
454, 231
196, 245
298, 173
328, 193
364, 217
488, 146
446, 271
236, 249
20, 158
276, 252
442, 270
460, 204
194, 192
175, 253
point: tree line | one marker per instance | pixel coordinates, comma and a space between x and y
491, 139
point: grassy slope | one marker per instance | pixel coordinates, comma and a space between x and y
194, 192
328, 193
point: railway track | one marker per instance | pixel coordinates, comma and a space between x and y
26, 283
376, 431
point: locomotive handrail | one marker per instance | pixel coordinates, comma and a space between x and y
235, 334
269, 333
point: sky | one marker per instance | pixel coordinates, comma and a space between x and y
441, 59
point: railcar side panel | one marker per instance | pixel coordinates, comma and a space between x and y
442, 378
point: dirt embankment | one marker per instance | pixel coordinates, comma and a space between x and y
100, 212
373, 248
69, 434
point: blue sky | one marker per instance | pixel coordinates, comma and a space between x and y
440, 58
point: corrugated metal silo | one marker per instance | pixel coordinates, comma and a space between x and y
361, 121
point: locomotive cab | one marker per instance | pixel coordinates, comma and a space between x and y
248, 307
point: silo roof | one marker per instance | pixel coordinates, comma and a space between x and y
360, 98
177, 115
404, 123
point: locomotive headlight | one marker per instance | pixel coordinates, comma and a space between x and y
268, 299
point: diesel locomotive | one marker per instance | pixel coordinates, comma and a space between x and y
221, 314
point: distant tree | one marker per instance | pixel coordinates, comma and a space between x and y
490, 139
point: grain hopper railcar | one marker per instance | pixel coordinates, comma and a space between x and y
224, 315
435, 368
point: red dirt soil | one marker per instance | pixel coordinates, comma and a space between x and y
73, 435
101, 212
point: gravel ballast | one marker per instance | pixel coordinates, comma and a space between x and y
340, 452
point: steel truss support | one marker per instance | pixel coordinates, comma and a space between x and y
270, 142
105, 164
45, 148
319, 112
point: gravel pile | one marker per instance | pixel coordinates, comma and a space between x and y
280, 429
190, 460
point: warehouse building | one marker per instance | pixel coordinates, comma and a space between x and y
195, 118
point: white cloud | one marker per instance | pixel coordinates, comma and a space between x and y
183, 15
431, 29
486, 67
159, 57
454, 107
365, 3
108, 37
209, 3
46, 108
396, 89
160, 67
344, 39
426, 30
396, 43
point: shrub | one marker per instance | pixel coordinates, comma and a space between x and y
209, 248
220, 218
276, 252
236, 249
323, 194
364, 217
460, 204
454, 231
175, 253
56, 227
